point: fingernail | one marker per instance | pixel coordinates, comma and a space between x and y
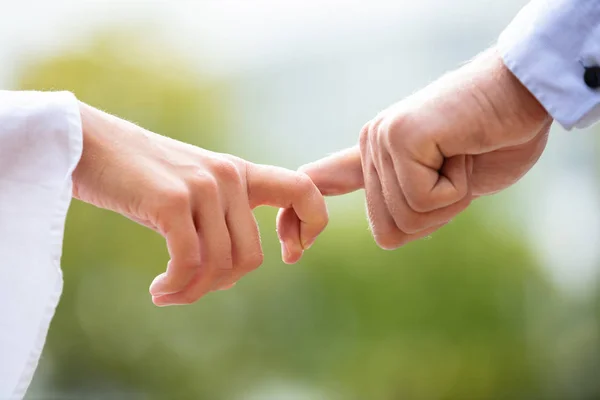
227, 287
308, 244
154, 300
156, 289
285, 252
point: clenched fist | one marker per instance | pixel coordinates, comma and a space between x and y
422, 161
200, 201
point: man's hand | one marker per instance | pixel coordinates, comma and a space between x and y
200, 201
423, 160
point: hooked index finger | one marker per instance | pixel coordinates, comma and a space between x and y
283, 188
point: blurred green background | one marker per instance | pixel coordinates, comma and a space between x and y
470, 313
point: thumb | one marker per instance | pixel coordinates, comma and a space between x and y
337, 174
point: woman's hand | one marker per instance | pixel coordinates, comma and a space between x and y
200, 201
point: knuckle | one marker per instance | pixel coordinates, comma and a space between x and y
399, 131
399, 124
304, 185
305, 169
363, 138
189, 265
227, 171
323, 218
387, 237
252, 261
174, 199
462, 190
217, 258
410, 223
205, 184
390, 240
419, 201
405, 219
411, 137
189, 297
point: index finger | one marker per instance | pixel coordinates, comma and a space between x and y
283, 188
338, 173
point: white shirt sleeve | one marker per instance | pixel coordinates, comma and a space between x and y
40, 145
548, 47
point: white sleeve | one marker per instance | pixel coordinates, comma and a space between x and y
550, 47
40, 145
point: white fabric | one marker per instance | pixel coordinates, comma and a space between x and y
547, 47
40, 145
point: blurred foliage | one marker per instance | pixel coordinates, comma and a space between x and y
140, 81
467, 314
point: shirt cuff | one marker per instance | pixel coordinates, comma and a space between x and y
40, 146
548, 47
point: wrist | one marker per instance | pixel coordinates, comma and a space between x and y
509, 100
94, 127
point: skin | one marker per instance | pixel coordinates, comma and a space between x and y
200, 201
422, 161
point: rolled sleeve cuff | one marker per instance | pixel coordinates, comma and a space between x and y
41, 144
548, 47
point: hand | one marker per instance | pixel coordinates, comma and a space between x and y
200, 201
422, 161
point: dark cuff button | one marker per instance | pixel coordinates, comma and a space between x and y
591, 77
